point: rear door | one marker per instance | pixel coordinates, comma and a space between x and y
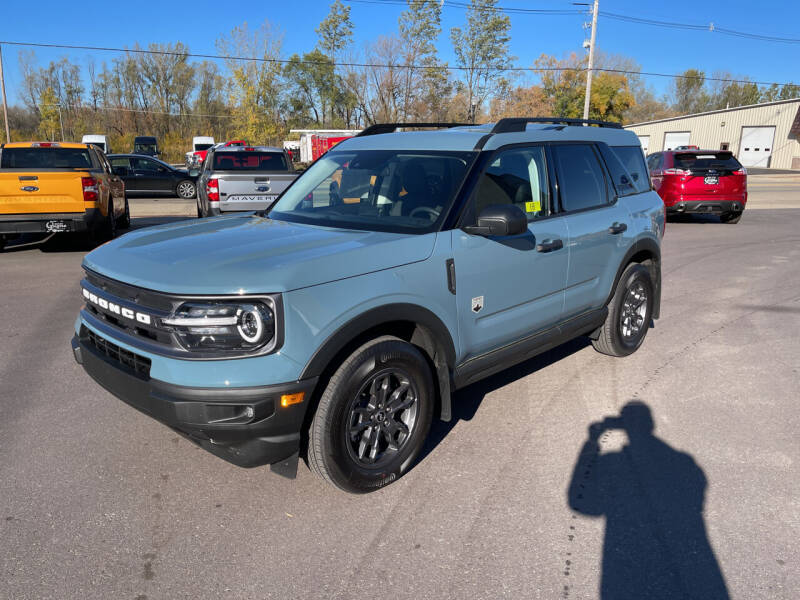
42, 180
508, 288
597, 225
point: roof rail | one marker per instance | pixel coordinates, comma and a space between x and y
391, 127
512, 124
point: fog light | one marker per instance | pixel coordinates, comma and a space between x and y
289, 399
249, 412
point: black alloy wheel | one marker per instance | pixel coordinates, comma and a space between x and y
373, 417
629, 313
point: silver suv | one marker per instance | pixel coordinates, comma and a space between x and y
242, 178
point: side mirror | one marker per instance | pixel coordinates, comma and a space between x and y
121, 171
194, 172
499, 220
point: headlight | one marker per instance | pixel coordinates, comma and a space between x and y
221, 326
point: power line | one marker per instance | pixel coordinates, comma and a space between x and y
710, 27
377, 65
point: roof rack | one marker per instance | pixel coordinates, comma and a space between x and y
512, 124
391, 127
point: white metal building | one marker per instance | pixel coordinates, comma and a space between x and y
759, 135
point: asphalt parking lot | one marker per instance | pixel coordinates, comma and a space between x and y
99, 501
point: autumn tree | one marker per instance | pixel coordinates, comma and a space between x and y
49, 116
255, 84
689, 92
482, 53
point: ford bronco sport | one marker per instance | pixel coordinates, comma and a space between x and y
400, 267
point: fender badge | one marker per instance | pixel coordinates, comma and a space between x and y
29, 188
477, 304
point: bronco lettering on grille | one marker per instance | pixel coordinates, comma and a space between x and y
116, 308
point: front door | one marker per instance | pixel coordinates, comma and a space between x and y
508, 288
151, 176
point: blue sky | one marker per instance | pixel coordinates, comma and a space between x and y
198, 23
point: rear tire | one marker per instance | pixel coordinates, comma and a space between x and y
731, 218
124, 222
186, 189
629, 313
373, 417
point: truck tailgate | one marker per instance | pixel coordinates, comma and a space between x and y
251, 191
23, 193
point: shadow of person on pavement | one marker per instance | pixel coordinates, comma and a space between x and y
651, 496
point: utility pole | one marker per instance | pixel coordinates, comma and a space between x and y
591, 62
5, 104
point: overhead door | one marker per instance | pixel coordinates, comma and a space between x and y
673, 139
644, 140
756, 146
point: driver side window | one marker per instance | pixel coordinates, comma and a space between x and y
516, 176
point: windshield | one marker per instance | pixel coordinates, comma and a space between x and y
250, 161
145, 149
376, 190
199, 147
45, 158
699, 162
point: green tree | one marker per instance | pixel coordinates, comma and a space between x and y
483, 54
335, 31
49, 119
689, 92
789, 92
313, 85
426, 80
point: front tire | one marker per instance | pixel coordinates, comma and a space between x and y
629, 313
373, 417
186, 189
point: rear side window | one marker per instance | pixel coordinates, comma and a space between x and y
580, 177
632, 159
45, 158
622, 179
517, 176
703, 161
250, 161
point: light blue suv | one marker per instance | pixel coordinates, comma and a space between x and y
399, 267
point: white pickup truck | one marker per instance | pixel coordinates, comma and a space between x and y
242, 178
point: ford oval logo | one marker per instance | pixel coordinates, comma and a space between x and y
262, 188
29, 188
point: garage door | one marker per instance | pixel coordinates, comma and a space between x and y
644, 140
756, 146
673, 139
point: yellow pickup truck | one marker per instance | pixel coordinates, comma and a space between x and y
58, 186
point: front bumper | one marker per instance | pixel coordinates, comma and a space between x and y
50, 222
714, 207
245, 426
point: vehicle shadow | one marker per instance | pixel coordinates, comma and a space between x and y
467, 400
696, 218
652, 498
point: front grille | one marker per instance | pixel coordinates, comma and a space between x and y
139, 365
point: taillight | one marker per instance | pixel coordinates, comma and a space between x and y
45, 145
89, 189
212, 190
740, 171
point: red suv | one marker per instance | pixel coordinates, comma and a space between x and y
700, 181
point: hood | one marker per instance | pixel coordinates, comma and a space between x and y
249, 254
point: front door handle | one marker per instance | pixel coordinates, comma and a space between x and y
617, 228
549, 245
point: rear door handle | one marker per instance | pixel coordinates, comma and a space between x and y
549, 245
617, 228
